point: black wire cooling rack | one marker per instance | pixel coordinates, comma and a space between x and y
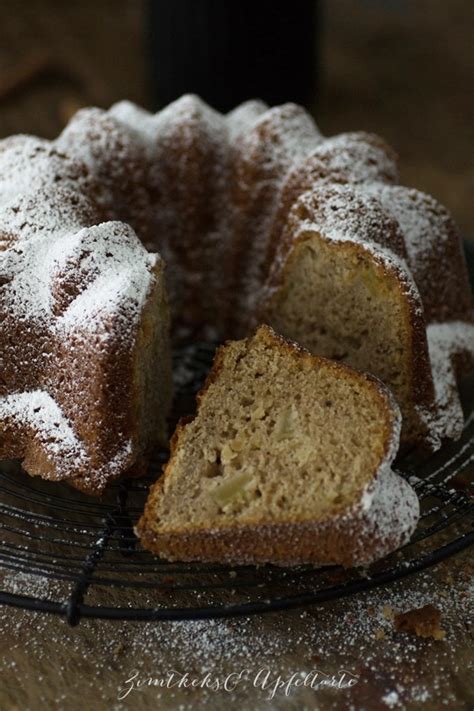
86, 561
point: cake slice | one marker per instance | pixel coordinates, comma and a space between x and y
286, 461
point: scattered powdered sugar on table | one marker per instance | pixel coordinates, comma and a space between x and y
391, 699
31, 585
98, 659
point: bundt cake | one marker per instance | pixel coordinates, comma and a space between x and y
259, 218
286, 461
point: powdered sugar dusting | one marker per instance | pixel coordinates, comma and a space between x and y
121, 267
445, 341
30, 164
107, 259
422, 220
389, 505
153, 129
244, 116
38, 410
291, 130
354, 157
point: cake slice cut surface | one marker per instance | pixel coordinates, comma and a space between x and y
286, 461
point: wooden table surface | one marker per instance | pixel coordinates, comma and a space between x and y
44, 664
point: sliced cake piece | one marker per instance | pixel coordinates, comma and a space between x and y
286, 461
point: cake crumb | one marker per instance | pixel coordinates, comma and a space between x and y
119, 649
423, 621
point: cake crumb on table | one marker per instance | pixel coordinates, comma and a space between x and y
423, 621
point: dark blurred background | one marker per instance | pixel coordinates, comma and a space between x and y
402, 68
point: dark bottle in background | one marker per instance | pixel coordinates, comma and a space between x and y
228, 51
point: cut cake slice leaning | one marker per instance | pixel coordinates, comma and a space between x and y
287, 461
